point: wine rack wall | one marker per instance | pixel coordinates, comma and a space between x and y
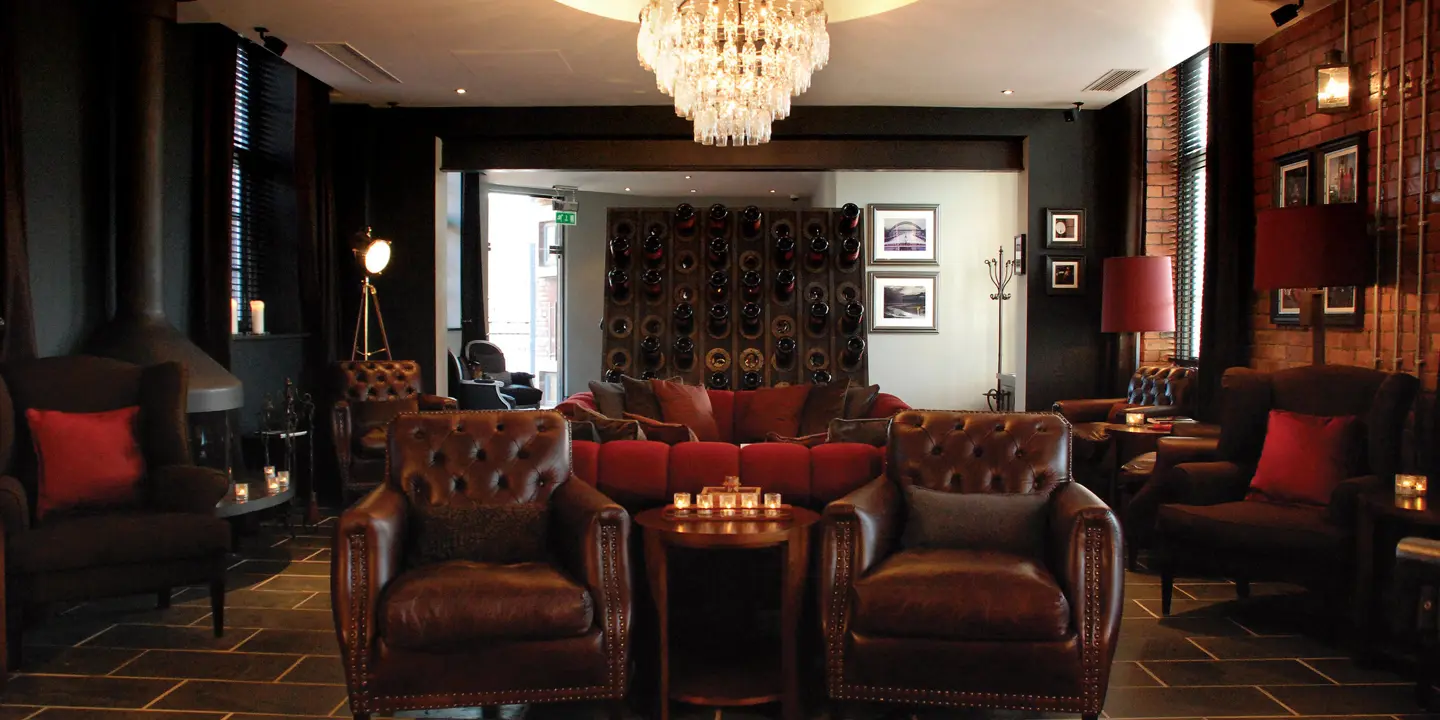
736, 298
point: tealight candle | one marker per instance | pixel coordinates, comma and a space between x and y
1411, 485
273, 485
703, 503
284, 479
772, 504
1410, 503
242, 493
1134, 418
682, 503
727, 503
749, 503
269, 471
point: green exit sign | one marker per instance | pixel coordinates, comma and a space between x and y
565, 217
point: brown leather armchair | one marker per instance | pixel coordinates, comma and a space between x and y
1195, 504
573, 614
1155, 390
369, 394
172, 538
985, 628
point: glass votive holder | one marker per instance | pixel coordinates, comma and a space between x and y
749, 504
284, 477
727, 503
772, 504
1417, 503
1134, 419
273, 485
703, 504
1411, 485
242, 493
731, 482
682, 503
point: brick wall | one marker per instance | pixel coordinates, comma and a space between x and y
1286, 121
1161, 152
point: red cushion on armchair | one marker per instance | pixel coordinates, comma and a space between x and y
86, 459
1304, 459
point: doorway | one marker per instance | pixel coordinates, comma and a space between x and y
524, 292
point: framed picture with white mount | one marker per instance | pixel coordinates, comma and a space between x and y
1064, 229
1064, 274
904, 302
904, 234
1341, 170
1294, 187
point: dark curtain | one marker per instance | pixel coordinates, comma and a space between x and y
17, 340
1121, 190
1229, 222
215, 50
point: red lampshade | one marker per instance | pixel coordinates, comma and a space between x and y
1139, 295
1315, 246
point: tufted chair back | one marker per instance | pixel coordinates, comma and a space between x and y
486, 355
1161, 385
979, 452
376, 380
485, 457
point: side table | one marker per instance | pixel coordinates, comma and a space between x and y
700, 681
1129, 442
1382, 520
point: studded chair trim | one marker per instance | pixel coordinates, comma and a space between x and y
377, 380
1165, 385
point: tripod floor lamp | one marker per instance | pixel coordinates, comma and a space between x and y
374, 256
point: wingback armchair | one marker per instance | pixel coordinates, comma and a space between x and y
368, 395
972, 626
1196, 505
489, 360
459, 633
170, 537
1155, 390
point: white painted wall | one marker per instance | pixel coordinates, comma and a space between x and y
979, 213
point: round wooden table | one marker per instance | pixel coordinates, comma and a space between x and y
751, 683
1131, 441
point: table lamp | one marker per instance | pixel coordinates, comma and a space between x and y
1312, 248
1138, 296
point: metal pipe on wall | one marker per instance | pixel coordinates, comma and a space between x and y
1379, 165
1397, 362
1423, 223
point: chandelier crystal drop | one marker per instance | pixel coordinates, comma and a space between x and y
733, 65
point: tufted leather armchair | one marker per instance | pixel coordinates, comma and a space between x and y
1155, 390
368, 395
522, 633
982, 628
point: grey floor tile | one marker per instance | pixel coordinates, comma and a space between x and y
294, 583
1130, 674
284, 567
320, 601
95, 714
320, 670
1346, 672
1158, 648
1266, 647
65, 660
262, 698
1201, 673
1191, 702
1137, 591
84, 691
1180, 627
1180, 607
1348, 699
276, 619
298, 642
166, 637
246, 598
187, 664
1226, 591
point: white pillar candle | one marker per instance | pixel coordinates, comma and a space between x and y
234, 316
257, 317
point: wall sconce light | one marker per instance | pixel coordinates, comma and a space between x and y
1333, 86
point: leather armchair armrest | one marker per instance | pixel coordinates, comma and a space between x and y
438, 403
1086, 552
368, 552
522, 378
14, 506
1345, 499
1088, 410
592, 540
858, 531
187, 488
340, 433
1210, 483
1172, 451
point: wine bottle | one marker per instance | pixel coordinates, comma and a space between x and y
648, 375
650, 349
620, 251
719, 218
717, 250
849, 218
819, 248
654, 250
652, 280
784, 250
854, 350
619, 282
819, 313
684, 351
849, 252
751, 380
750, 219
719, 381
850, 321
719, 319
719, 285
684, 317
613, 375
685, 219
750, 318
785, 351
751, 285
821, 377
784, 285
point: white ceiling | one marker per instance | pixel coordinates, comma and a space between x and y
944, 53
746, 184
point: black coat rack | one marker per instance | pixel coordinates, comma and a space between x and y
1002, 271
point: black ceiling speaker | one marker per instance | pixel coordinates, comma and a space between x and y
272, 43
1286, 13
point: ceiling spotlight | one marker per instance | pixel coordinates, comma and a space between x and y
627, 189
772, 191
687, 177
1007, 92
271, 43
1073, 114
692, 191
1286, 13
459, 91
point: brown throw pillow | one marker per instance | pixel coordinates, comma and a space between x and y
640, 398
609, 398
687, 405
859, 400
583, 430
368, 420
772, 411
866, 432
808, 441
1010, 523
826, 402
479, 533
611, 429
668, 433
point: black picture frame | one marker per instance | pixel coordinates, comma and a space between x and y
1054, 241
1057, 263
1344, 306
1284, 304
1022, 256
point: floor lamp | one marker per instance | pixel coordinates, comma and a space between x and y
1138, 296
374, 256
1312, 248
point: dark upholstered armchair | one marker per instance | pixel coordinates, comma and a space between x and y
1196, 507
518, 633
368, 395
473, 394
1155, 390
171, 538
490, 362
976, 626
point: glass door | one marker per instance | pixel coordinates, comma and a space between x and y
523, 293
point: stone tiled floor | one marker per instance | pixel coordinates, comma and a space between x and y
125, 660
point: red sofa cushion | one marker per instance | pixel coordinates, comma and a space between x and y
887, 405
838, 468
632, 472
688, 405
1304, 459
726, 404
86, 459
778, 467
695, 465
771, 410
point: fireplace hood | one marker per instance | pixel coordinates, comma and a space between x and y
139, 332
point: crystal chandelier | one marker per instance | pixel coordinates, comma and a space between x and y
733, 65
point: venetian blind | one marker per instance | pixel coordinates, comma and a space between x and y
260, 173
1194, 111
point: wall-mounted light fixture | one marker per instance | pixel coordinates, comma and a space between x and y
1334, 89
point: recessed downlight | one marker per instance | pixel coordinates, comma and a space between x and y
692, 190
772, 191
687, 177
627, 189
1007, 92
459, 91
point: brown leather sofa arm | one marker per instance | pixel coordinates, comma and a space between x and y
1209, 483
367, 553
858, 531
187, 488
340, 433
438, 403
1086, 554
1088, 410
14, 506
592, 535
1345, 499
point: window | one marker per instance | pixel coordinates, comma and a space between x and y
1194, 111
244, 260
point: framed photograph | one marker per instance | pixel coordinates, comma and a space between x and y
904, 302
1064, 274
1344, 307
1064, 229
1342, 180
904, 234
1021, 256
1292, 180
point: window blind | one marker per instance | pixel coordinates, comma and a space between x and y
1194, 131
260, 173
